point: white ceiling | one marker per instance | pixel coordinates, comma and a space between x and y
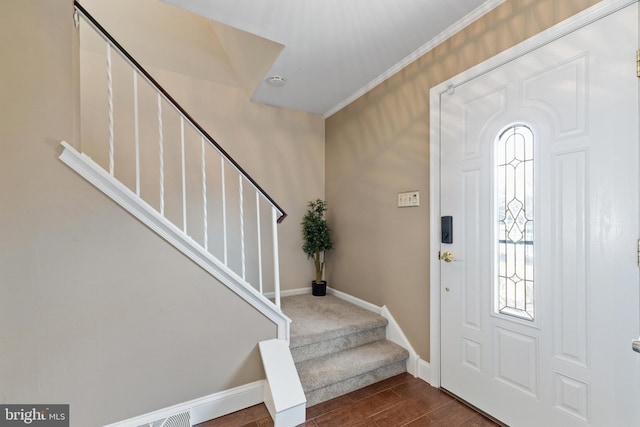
336, 50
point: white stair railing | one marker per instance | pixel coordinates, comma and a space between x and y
194, 184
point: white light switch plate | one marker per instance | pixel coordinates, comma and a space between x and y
408, 199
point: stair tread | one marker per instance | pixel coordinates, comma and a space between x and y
316, 319
333, 345
340, 366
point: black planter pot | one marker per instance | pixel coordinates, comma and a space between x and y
319, 289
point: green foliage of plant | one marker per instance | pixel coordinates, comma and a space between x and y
316, 235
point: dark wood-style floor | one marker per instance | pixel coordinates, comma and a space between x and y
398, 401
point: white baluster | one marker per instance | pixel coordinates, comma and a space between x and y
259, 241
184, 177
110, 99
136, 129
224, 211
276, 261
204, 198
161, 142
242, 227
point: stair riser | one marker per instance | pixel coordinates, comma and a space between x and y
343, 387
334, 345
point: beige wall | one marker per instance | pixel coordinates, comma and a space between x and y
379, 146
96, 311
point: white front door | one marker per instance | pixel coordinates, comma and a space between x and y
539, 173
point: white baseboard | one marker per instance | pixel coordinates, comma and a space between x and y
292, 292
424, 370
226, 402
207, 407
357, 301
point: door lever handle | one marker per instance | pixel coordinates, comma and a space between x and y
635, 345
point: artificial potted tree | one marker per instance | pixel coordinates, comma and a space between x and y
316, 237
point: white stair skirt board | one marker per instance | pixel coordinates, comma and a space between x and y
283, 394
396, 336
415, 365
92, 172
205, 408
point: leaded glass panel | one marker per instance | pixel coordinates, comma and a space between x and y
515, 222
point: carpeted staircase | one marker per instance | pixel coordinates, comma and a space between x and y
339, 347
